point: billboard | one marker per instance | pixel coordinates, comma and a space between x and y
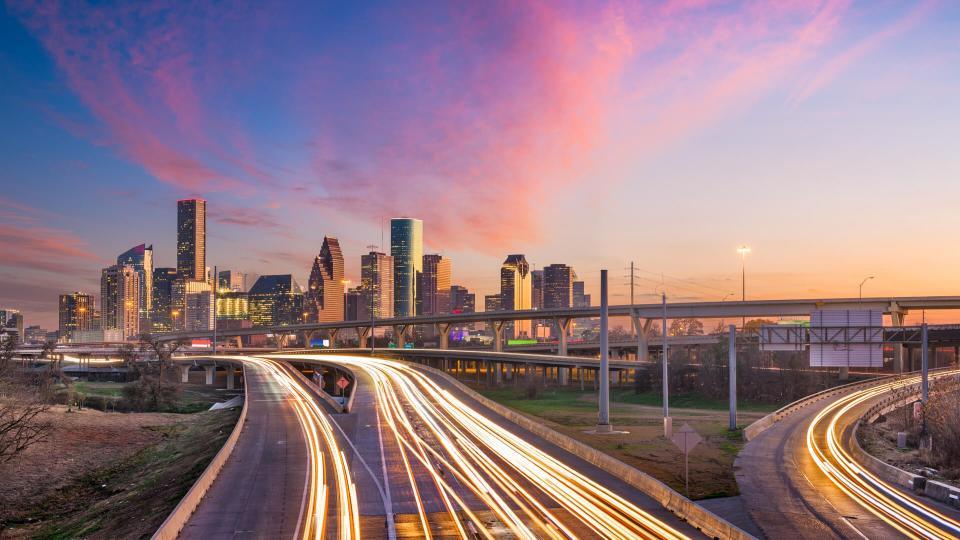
846, 338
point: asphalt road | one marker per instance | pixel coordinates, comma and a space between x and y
392, 480
260, 490
789, 496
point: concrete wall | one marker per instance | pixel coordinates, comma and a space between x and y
175, 522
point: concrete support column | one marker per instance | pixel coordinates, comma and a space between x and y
400, 335
184, 374
362, 333
563, 327
563, 376
896, 319
497, 372
443, 330
497, 327
642, 329
231, 374
211, 373
333, 337
509, 369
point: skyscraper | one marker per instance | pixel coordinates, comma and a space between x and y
491, 302
192, 239
376, 279
11, 325
406, 248
515, 291
197, 306
231, 280
536, 301
76, 313
141, 259
120, 300
558, 286
462, 300
161, 316
433, 286
323, 301
276, 300
579, 298
356, 305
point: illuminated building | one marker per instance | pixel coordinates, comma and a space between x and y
515, 293
558, 286
323, 300
11, 325
141, 259
276, 300
197, 306
232, 305
36, 335
161, 317
491, 302
433, 286
462, 300
231, 280
406, 248
376, 279
120, 300
76, 314
192, 239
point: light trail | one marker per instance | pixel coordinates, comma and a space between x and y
906, 514
323, 451
464, 454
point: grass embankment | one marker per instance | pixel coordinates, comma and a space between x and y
130, 497
571, 412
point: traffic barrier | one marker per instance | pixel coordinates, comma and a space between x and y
698, 516
171, 527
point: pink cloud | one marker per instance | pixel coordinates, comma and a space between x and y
840, 63
514, 124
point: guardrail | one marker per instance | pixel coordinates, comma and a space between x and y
345, 408
768, 421
171, 527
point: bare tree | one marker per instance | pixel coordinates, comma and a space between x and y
20, 422
164, 350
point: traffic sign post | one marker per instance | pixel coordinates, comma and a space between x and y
342, 383
686, 438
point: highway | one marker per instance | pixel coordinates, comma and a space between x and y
286, 478
798, 480
436, 463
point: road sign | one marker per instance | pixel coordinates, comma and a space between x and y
686, 438
342, 382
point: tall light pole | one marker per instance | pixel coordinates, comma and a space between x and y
743, 251
866, 279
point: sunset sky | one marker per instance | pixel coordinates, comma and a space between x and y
824, 134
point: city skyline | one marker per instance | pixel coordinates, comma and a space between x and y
843, 111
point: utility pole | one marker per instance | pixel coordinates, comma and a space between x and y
733, 377
924, 363
667, 421
216, 290
603, 423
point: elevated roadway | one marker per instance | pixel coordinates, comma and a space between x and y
895, 305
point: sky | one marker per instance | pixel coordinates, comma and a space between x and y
822, 133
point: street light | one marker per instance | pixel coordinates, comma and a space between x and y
743, 251
866, 279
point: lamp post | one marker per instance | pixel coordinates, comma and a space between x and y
866, 279
723, 319
743, 251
